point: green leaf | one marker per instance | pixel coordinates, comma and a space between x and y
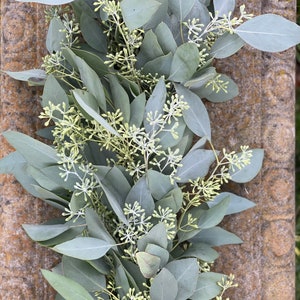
137, 110
55, 36
214, 215
270, 33
165, 38
201, 251
92, 82
92, 59
155, 104
207, 287
150, 49
148, 264
196, 116
186, 273
115, 187
185, 62
45, 232
140, 193
164, 286
226, 45
96, 227
80, 97
213, 95
224, 7
85, 248
48, 195
216, 236
32, 76
172, 200
160, 66
201, 78
236, 205
122, 281
136, 13
120, 97
157, 236
83, 273
162, 253
54, 93
248, 172
195, 164
36, 153
181, 8
93, 33
66, 287
160, 15
159, 184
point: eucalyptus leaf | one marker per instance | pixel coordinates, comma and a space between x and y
201, 78
207, 287
85, 248
196, 116
66, 287
32, 75
186, 273
137, 110
92, 82
93, 60
119, 97
36, 153
149, 50
173, 200
45, 232
181, 8
80, 97
223, 7
159, 15
269, 32
195, 164
164, 286
248, 172
157, 235
236, 205
216, 236
155, 105
201, 251
92, 32
83, 273
159, 184
137, 13
148, 263
55, 35
96, 226
160, 65
141, 194
184, 63
48, 2
165, 38
226, 45
214, 215
54, 93
162, 253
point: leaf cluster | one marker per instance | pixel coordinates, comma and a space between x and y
141, 201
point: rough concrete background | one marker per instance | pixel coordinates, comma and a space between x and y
262, 116
22, 47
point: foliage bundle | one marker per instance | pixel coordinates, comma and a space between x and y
141, 199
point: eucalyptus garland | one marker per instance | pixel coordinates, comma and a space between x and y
130, 160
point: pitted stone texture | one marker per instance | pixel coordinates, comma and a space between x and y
22, 46
262, 116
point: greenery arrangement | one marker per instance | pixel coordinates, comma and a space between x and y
130, 160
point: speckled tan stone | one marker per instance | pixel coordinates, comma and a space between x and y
262, 117
22, 46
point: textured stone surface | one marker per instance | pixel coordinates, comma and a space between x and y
22, 46
262, 117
